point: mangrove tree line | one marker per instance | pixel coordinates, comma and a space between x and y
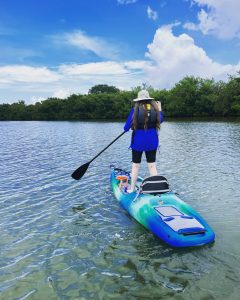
190, 97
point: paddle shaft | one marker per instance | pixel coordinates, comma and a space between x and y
79, 172
107, 147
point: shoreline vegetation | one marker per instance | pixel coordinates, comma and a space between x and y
192, 97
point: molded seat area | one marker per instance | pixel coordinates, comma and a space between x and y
178, 221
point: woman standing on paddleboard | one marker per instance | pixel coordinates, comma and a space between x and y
144, 119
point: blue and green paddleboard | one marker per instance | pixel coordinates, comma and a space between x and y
165, 214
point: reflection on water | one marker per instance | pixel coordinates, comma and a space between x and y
63, 239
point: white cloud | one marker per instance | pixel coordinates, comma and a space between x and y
67, 79
82, 41
218, 17
152, 14
126, 1
124, 74
35, 99
174, 57
137, 64
169, 58
108, 68
61, 93
22, 73
190, 26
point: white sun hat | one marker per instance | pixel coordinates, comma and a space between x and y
143, 95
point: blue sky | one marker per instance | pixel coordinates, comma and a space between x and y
55, 48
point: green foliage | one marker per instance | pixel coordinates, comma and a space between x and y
103, 89
192, 96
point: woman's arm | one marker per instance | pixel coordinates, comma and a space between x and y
128, 123
160, 111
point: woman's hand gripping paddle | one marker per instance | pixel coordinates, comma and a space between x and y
79, 172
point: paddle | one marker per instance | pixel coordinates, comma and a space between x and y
79, 172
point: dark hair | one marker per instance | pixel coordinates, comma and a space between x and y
143, 104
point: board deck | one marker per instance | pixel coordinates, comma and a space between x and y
165, 215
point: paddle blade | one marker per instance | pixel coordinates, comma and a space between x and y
79, 172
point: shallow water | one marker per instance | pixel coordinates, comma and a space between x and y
66, 239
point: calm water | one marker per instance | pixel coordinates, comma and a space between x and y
63, 239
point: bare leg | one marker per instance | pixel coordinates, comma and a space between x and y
152, 169
135, 169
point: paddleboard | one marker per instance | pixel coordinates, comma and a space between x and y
165, 215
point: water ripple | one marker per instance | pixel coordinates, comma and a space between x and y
65, 239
